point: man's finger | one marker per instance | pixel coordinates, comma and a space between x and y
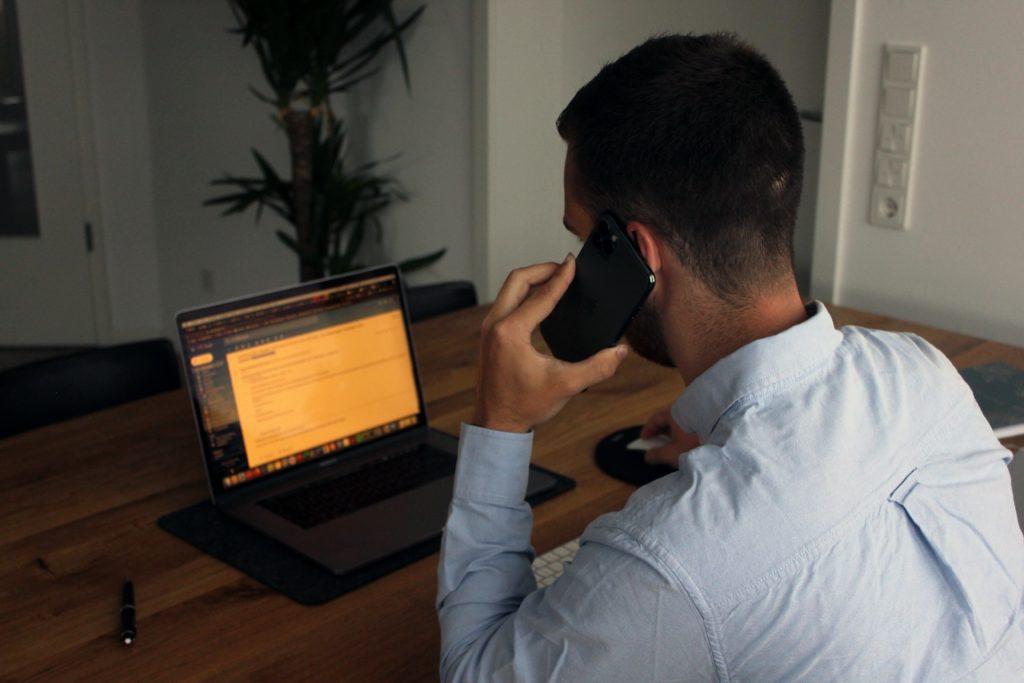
658, 423
517, 286
599, 367
663, 455
541, 301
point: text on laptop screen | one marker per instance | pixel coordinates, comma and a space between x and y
287, 381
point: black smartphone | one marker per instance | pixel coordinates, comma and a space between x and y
612, 281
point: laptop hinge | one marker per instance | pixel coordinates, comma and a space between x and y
353, 459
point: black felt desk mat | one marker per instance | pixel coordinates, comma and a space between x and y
281, 568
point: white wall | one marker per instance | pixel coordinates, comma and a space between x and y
958, 266
204, 121
428, 127
478, 153
793, 34
482, 162
538, 53
518, 159
123, 179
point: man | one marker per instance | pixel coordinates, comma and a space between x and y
841, 512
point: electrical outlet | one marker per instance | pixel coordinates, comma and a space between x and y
888, 207
899, 95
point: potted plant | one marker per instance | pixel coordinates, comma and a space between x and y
309, 51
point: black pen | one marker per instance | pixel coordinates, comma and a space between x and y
128, 613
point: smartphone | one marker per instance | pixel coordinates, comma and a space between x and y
612, 281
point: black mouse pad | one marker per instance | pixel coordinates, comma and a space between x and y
613, 458
284, 570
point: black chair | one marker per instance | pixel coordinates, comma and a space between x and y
56, 389
427, 301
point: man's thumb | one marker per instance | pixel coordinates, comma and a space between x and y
602, 365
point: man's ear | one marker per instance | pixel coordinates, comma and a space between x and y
651, 246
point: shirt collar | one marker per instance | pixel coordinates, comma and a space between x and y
755, 366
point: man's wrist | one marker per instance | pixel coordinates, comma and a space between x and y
497, 423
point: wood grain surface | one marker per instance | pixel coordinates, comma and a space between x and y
79, 502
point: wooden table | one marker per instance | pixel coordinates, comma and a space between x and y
79, 503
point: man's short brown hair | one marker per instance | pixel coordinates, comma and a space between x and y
697, 137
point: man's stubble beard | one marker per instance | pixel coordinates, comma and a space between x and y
646, 336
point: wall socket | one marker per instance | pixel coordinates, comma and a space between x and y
894, 144
889, 205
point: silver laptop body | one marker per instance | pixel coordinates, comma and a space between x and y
299, 389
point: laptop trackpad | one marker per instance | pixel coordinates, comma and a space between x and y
383, 528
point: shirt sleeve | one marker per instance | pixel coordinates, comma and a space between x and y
613, 615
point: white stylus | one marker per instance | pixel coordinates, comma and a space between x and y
647, 444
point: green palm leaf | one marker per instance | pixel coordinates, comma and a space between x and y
307, 50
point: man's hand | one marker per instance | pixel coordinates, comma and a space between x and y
662, 423
517, 386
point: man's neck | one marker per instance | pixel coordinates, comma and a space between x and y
707, 330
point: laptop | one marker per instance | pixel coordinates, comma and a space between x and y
311, 419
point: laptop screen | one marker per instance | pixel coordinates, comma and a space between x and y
287, 378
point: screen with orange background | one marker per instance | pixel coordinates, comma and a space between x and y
303, 391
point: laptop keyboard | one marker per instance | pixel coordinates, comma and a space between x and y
551, 565
326, 499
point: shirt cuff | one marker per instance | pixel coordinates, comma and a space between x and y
493, 467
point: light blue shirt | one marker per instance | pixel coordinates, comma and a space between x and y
847, 518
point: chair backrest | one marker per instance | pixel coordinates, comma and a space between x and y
427, 301
56, 389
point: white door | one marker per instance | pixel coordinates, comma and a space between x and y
46, 287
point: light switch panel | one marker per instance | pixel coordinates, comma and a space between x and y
894, 136
891, 170
901, 65
898, 102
